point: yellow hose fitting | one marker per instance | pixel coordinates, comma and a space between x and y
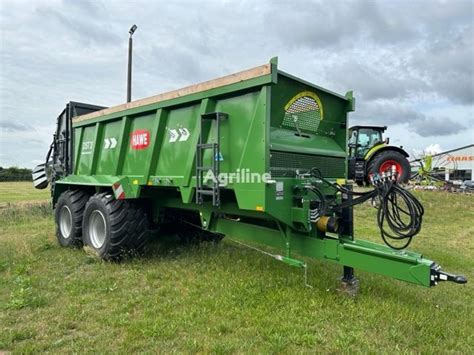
328, 224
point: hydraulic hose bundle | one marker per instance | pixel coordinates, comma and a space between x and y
400, 211
399, 215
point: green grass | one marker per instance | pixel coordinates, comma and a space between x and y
226, 298
21, 192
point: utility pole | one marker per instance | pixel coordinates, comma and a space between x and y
129, 76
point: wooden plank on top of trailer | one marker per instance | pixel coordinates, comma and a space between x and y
193, 89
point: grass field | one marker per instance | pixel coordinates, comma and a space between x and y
226, 298
11, 192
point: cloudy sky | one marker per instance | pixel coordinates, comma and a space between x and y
410, 63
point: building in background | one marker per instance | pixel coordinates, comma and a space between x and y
454, 164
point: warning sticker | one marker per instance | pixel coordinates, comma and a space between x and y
140, 139
279, 192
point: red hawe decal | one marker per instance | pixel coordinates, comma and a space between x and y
140, 139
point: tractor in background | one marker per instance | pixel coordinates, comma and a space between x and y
370, 153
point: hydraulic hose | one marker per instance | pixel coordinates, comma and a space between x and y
399, 214
404, 222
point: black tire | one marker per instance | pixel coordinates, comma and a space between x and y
141, 230
68, 216
114, 228
381, 157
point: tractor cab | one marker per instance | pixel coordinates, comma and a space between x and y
364, 138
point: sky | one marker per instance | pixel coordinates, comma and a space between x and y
409, 63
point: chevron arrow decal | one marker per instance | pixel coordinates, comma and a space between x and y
179, 135
174, 135
110, 143
184, 134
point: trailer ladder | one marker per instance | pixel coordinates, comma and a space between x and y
201, 188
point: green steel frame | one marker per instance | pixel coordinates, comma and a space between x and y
162, 171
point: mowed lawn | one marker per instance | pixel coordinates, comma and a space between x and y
11, 192
226, 298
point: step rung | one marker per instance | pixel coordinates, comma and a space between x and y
206, 192
207, 145
204, 168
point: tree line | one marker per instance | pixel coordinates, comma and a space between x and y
15, 174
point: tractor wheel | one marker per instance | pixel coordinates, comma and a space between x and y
68, 216
113, 227
383, 162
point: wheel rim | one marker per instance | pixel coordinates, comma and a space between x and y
387, 166
65, 222
97, 229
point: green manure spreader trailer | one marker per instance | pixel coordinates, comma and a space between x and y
259, 156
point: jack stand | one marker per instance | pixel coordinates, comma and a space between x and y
349, 285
